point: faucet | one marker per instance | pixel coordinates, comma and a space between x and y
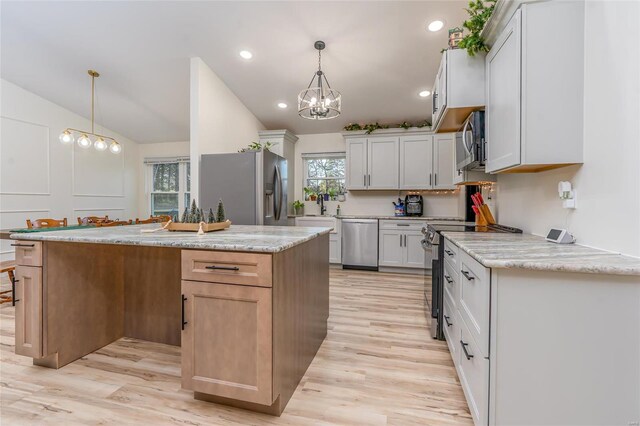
323, 208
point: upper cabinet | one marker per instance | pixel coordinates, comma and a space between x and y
534, 86
458, 89
411, 161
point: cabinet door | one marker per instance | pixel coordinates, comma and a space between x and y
502, 119
383, 163
29, 311
440, 91
357, 163
413, 251
391, 251
335, 254
227, 341
443, 161
416, 162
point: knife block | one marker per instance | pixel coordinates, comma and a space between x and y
480, 220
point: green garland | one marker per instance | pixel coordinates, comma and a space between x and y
371, 127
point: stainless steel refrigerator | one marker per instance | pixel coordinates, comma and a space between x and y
252, 186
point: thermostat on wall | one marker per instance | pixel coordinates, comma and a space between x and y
560, 236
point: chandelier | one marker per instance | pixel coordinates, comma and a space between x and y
320, 102
87, 139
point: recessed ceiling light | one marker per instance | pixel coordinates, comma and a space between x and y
436, 26
424, 93
245, 54
282, 105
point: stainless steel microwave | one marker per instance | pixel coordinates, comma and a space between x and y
470, 143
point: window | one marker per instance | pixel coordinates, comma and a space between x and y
169, 185
324, 173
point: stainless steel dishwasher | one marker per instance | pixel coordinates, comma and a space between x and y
360, 244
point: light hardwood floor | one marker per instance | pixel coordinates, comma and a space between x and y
377, 366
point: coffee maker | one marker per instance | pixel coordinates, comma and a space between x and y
413, 204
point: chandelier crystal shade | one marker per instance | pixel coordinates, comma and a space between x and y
319, 102
86, 139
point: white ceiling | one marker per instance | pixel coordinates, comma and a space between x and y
379, 55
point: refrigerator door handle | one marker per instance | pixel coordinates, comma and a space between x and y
277, 197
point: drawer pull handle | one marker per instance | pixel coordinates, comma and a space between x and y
448, 278
446, 319
466, 275
402, 224
184, 299
23, 245
464, 348
223, 268
449, 252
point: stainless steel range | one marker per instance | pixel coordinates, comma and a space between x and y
434, 253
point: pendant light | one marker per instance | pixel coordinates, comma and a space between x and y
84, 140
320, 102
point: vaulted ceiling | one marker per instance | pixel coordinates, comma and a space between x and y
379, 55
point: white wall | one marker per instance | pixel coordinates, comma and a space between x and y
362, 202
41, 178
608, 183
154, 150
220, 122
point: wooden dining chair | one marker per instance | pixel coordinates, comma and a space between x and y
46, 223
114, 223
150, 220
8, 266
92, 220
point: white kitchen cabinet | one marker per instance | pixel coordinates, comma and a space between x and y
416, 161
391, 249
427, 161
443, 161
382, 163
534, 86
356, 163
458, 89
400, 244
414, 253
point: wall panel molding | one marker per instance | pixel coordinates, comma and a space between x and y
30, 154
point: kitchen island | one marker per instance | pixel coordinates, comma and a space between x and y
249, 305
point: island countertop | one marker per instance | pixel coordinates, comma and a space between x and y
526, 251
249, 238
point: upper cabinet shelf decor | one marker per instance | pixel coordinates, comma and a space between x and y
534, 87
458, 89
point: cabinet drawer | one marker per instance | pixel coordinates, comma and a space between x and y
473, 369
227, 267
474, 299
451, 253
451, 280
28, 253
402, 225
451, 328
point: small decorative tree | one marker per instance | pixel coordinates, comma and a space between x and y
211, 218
185, 215
220, 213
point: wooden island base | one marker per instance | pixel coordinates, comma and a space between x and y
249, 323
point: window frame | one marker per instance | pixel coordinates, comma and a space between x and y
322, 156
182, 181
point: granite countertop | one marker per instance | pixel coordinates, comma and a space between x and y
265, 239
527, 251
382, 217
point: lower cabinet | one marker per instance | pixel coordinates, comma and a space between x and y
28, 300
227, 341
400, 249
473, 370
